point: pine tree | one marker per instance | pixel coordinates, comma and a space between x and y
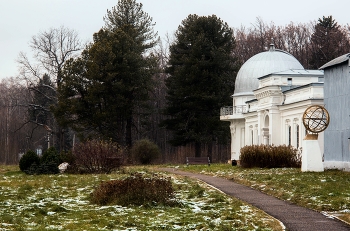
44, 95
202, 75
113, 76
328, 42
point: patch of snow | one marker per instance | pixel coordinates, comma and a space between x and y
245, 208
196, 209
327, 215
216, 221
177, 227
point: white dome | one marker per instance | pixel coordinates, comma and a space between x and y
263, 64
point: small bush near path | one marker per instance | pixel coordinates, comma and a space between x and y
269, 156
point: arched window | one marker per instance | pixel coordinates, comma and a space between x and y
297, 134
242, 137
267, 121
252, 136
289, 135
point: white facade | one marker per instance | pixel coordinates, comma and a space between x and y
272, 92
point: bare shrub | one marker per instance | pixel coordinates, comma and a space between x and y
136, 189
269, 156
97, 156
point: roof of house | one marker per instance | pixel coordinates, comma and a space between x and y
336, 61
296, 73
293, 88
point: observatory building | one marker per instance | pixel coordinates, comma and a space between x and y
272, 91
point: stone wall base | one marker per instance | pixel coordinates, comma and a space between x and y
344, 166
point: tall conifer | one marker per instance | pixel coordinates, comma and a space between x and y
103, 87
202, 75
327, 42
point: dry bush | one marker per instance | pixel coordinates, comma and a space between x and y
269, 156
97, 156
136, 189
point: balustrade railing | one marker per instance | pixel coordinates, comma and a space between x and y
232, 110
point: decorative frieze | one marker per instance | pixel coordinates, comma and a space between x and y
267, 93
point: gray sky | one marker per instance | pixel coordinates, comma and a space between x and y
21, 19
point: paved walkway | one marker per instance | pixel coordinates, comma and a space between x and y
292, 216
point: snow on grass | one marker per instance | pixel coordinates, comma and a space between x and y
61, 202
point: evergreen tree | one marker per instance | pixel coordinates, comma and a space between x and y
328, 42
202, 75
44, 95
102, 88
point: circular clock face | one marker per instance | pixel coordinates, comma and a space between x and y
316, 119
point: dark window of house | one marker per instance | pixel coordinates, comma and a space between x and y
289, 135
297, 128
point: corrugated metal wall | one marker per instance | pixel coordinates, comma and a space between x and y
337, 102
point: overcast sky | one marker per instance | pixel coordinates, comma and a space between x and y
21, 19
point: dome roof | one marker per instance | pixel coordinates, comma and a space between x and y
262, 64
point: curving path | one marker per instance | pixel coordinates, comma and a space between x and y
292, 216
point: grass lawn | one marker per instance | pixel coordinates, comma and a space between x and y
327, 192
61, 202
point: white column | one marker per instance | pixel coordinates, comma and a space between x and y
260, 137
275, 127
233, 128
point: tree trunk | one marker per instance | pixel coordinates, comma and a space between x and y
61, 148
128, 138
198, 147
7, 133
210, 151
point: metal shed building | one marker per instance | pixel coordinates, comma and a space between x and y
337, 102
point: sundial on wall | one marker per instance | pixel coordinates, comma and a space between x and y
316, 119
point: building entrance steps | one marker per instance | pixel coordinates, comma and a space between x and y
294, 217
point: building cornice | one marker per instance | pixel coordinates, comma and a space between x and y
267, 91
